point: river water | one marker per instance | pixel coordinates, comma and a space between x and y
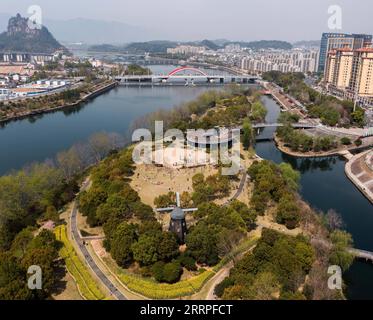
323, 182
325, 186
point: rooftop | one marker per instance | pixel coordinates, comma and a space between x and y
177, 214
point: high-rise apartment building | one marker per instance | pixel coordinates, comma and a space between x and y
350, 72
362, 72
332, 41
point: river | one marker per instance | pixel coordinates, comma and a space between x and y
323, 182
325, 186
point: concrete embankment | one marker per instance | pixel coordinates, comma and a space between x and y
360, 173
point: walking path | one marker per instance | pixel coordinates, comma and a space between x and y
89, 259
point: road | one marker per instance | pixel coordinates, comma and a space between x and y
240, 187
89, 260
222, 274
219, 277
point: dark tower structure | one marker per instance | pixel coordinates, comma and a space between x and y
178, 224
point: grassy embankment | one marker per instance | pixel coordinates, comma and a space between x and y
85, 282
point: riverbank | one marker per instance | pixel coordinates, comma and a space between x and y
360, 174
356, 169
342, 151
102, 88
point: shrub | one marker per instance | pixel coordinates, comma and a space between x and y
345, 141
157, 270
219, 289
188, 262
167, 272
172, 272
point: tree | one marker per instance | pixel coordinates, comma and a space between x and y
145, 250
333, 220
202, 244
247, 214
21, 242
12, 281
44, 258
100, 144
358, 116
167, 246
121, 244
258, 111
51, 214
89, 201
220, 287
172, 272
187, 261
340, 255
165, 200
167, 272
305, 255
157, 270
345, 141
265, 287
248, 135
291, 176
288, 212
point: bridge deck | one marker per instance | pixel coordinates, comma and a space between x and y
363, 254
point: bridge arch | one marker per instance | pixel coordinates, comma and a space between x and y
181, 69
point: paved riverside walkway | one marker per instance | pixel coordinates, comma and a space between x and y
88, 258
360, 173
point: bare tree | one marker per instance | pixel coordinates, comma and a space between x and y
334, 220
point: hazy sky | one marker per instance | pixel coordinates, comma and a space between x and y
199, 19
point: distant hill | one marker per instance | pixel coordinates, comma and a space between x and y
20, 38
210, 45
106, 48
158, 46
307, 44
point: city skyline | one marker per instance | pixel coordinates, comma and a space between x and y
238, 21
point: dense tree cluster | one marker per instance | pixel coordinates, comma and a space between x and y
28, 250
329, 109
69, 96
218, 230
279, 185
27, 194
132, 232
233, 105
299, 141
210, 188
288, 117
135, 69
276, 268
37, 193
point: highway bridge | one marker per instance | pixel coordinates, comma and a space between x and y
185, 75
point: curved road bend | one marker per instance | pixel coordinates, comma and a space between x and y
89, 260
